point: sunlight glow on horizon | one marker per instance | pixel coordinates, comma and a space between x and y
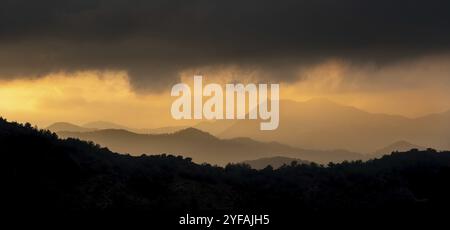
108, 96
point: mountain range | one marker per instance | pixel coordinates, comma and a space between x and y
316, 124
318, 130
99, 125
204, 147
323, 124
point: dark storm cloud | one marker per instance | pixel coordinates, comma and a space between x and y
154, 40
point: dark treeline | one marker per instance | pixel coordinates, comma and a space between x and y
43, 173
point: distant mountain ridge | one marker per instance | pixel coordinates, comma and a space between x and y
318, 124
99, 125
399, 146
323, 124
65, 126
204, 147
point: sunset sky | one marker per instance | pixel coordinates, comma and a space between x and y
81, 61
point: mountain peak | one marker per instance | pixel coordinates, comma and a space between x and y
66, 126
193, 132
401, 145
62, 123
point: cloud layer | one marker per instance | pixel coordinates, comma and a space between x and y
156, 40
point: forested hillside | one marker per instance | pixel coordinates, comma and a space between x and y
44, 173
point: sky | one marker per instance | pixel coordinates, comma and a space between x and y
116, 60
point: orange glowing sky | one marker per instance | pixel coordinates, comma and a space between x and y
87, 96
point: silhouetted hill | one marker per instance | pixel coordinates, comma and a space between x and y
166, 129
65, 126
215, 127
43, 174
194, 134
399, 146
99, 125
274, 162
204, 147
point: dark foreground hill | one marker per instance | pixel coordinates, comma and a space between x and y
43, 174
